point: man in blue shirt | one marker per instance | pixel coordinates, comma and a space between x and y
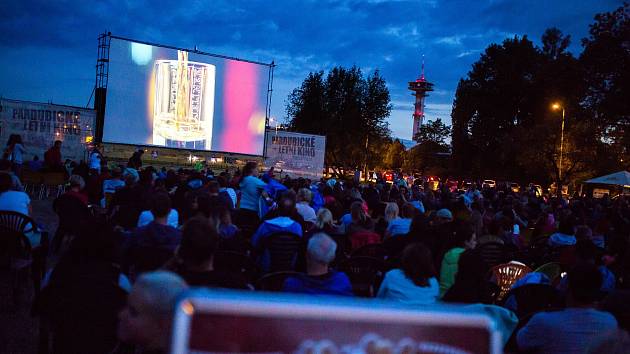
576, 328
280, 224
319, 279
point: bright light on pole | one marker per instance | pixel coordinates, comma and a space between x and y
556, 106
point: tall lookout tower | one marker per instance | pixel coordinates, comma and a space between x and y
420, 87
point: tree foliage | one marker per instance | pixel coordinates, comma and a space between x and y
503, 126
349, 109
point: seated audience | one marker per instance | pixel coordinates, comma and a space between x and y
400, 226
303, 206
565, 235
414, 283
150, 246
471, 281
195, 255
360, 220
147, 319
461, 239
16, 184
319, 279
77, 189
575, 328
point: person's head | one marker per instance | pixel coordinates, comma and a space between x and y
443, 216
408, 211
116, 172
583, 232
585, 281
357, 212
417, 264
286, 205
463, 235
471, 269
35, 158
324, 217
567, 225
147, 319
140, 151
250, 169
76, 183
160, 205
198, 244
6, 182
213, 188
304, 195
321, 249
57, 144
223, 182
391, 211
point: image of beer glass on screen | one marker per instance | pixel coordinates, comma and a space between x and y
184, 103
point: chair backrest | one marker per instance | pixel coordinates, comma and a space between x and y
12, 221
54, 178
362, 238
492, 253
236, 262
552, 270
375, 250
507, 274
364, 273
283, 250
274, 281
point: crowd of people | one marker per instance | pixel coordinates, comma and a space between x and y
143, 235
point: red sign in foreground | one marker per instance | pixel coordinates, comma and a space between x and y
222, 322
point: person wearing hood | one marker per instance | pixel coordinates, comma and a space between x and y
462, 238
319, 279
565, 235
282, 223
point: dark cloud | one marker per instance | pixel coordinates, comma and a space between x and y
39, 36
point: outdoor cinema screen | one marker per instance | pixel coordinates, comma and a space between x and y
181, 99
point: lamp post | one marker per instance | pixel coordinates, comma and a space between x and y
556, 106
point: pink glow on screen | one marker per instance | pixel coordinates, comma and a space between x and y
240, 101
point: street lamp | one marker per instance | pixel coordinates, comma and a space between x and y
557, 106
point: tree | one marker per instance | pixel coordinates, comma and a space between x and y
349, 109
606, 62
431, 149
435, 131
394, 156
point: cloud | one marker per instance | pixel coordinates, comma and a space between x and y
56, 40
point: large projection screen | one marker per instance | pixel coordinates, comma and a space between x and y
169, 97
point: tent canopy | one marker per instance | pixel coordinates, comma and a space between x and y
621, 178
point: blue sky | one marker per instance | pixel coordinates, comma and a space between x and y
48, 47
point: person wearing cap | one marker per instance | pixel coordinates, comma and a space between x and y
442, 216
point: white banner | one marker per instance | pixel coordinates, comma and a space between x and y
40, 124
295, 154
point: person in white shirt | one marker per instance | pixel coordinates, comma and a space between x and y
414, 283
95, 160
16, 201
303, 207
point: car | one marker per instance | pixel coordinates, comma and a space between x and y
489, 183
515, 187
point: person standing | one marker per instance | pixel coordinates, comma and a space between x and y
15, 153
135, 161
52, 157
